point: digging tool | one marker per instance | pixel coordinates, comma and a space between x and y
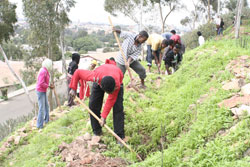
110, 130
123, 55
57, 99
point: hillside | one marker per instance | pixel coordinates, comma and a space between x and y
181, 120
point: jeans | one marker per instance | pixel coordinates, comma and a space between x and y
150, 56
43, 113
95, 104
220, 31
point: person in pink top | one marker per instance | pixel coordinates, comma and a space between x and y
41, 89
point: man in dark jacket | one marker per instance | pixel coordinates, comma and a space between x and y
107, 78
73, 66
173, 58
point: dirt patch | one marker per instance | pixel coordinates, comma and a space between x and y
86, 151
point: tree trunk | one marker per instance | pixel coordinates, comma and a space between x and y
218, 8
209, 18
162, 21
17, 77
238, 17
64, 68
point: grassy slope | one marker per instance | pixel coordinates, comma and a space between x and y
189, 133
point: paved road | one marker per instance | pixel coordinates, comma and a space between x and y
20, 106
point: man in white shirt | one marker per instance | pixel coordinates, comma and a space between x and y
201, 38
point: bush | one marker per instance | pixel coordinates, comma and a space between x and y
108, 49
83, 52
190, 39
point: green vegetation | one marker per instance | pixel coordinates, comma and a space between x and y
170, 125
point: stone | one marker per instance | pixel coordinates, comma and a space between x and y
247, 153
17, 140
87, 160
10, 139
87, 136
234, 84
235, 100
69, 158
245, 57
246, 89
63, 146
23, 135
241, 111
96, 139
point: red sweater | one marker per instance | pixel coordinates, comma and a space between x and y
108, 69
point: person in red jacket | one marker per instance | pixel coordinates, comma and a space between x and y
107, 78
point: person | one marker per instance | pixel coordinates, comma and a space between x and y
41, 89
217, 22
201, 38
73, 66
221, 28
155, 47
85, 87
175, 37
167, 35
173, 58
132, 48
107, 78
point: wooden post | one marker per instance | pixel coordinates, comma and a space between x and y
238, 18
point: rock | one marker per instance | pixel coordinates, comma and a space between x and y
235, 100
87, 160
87, 136
69, 158
245, 57
243, 110
247, 153
17, 140
63, 146
96, 139
10, 139
246, 89
231, 85
23, 135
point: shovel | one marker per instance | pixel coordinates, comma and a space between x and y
110, 130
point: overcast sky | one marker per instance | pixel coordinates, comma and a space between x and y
93, 11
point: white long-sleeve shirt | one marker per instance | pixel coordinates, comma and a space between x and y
201, 40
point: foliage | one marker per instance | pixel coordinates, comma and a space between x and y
7, 20
12, 51
231, 5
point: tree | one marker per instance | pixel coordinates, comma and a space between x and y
128, 8
194, 15
231, 5
172, 6
240, 5
7, 21
47, 19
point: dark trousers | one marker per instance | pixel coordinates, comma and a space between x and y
95, 104
150, 56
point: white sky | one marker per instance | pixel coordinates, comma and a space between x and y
93, 11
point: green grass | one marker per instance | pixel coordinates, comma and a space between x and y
190, 135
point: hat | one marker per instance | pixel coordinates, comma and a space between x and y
94, 62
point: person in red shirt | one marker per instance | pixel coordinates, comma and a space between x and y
107, 78
175, 37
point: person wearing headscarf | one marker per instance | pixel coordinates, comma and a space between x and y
41, 89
